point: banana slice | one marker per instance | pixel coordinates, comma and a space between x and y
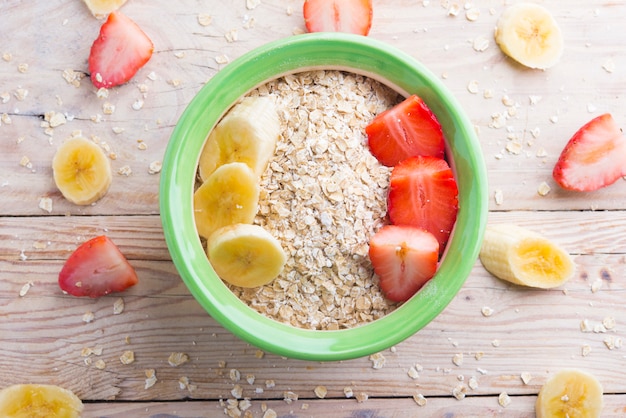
570, 393
82, 172
101, 8
39, 401
228, 196
524, 257
529, 34
245, 255
247, 133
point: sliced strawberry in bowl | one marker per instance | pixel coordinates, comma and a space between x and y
120, 50
595, 156
404, 258
96, 268
350, 16
406, 130
423, 193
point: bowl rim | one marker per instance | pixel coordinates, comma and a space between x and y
355, 54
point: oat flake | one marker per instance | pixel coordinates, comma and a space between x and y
504, 399
177, 359
419, 399
127, 357
24, 290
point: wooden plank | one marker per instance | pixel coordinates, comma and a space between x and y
471, 407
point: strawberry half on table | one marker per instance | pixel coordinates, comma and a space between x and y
120, 50
350, 16
595, 157
406, 130
96, 268
404, 258
423, 193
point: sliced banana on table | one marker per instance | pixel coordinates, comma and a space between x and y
81, 171
245, 255
247, 133
570, 393
101, 8
39, 401
529, 34
228, 196
524, 257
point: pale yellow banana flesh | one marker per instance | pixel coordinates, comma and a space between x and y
524, 257
570, 393
245, 255
228, 196
247, 133
529, 34
101, 8
39, 401
81, 170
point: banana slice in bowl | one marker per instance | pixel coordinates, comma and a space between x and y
39, 401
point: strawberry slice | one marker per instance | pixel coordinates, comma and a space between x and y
96, 268
423, 193
120, 50
594, 157
351, 16
404, 258
408, 129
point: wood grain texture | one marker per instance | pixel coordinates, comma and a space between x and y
43, 334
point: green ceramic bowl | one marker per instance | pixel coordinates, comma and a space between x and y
356, 54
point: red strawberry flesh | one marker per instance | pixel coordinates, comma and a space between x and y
96, 268
423, 193
120, 50
406, 130
404, 258
350, 16
595, 156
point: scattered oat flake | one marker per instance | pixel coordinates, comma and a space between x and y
127, 357
457, 359
596, 285
177, 359
609, 322
45, 203
554, 119
118, 306
486, 311
498, 196
24, 290
237, 391
270, 383
613, 343
472, 14
526, 377
543, 189
420, 399
504, 399
235, 375
480, 44
495, 343
205, 19
252, 4
472, 87
151, 378
232, 36
584, 326
361, 397
270, 413
459, 391
125, 171
7, 56
413, 373
321, 392
585, 350
155, 167
289, 396
100, 364
222, 59
479, 355
472, 383
137, 104
378, 360
347, 391
609, 65
88, 317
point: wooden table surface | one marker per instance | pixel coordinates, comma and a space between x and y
523, 117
